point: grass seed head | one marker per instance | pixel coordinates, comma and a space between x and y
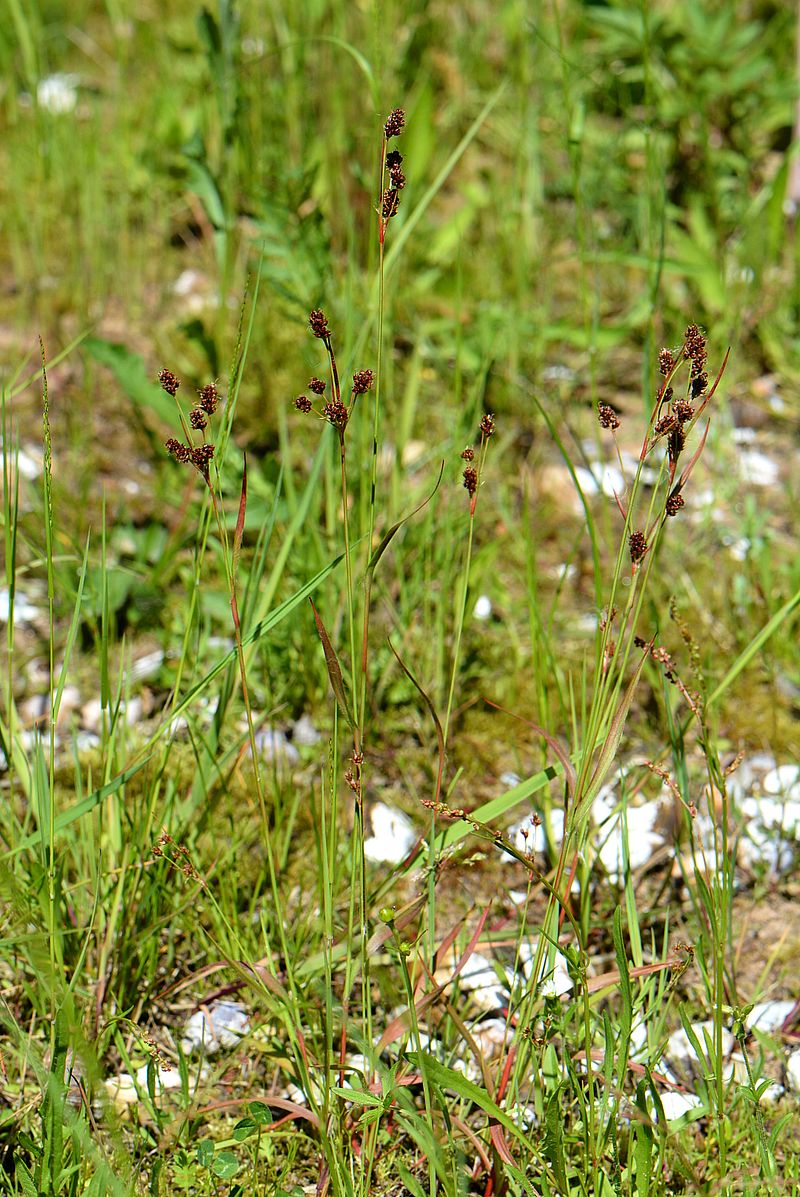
607, 416
178, 450
319, 324
362, 381
209, 398
666, 361
316, 386
694, 347
395, 123
336, 414
303, 403
471, 480
637, 545
198, 419
169, 381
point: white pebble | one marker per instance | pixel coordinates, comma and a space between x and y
769, 1016
679, 1046
165, 1078
483, 608
221, 1024
480, 978
273, 745
793, 1071
57, 93
305, 733
784, 780
677, 1104
557, 980
757, 469
393, 835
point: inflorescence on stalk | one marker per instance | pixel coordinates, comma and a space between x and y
187, 452
335, 411
473, 473
393, 163
671, 421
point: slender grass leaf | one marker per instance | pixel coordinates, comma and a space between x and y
70, 816
333, 667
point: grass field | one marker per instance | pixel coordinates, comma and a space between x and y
400, 677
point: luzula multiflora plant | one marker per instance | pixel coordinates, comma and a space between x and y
328, 401
198, 451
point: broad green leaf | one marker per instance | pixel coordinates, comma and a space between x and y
225, 1165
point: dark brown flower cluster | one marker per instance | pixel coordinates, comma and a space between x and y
471, 475
334, 411
362, 381
395, 123
200, 456
607, 416
209, 398
674, 503
695, 348
471, 480
673, 417
666, 361
319, 324
169, 382
390, 200
637, 545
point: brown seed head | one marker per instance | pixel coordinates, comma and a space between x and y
698, 384
665, 425
397, 178
198, 419
471, 480
319, 324
169, 381
665, 361
694, 347
468, 454
335, 413
317, 386
607, 416
362, 381
201, 457
396, 123
303, 403
390, 203
683, 410
637, 545
178, 450
393, 158
487, 425
677, 439
674, 503
209, 398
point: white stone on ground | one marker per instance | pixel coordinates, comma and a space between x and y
393, 835
222, 1024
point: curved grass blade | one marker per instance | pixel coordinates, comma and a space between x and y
387, 538
333, 667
